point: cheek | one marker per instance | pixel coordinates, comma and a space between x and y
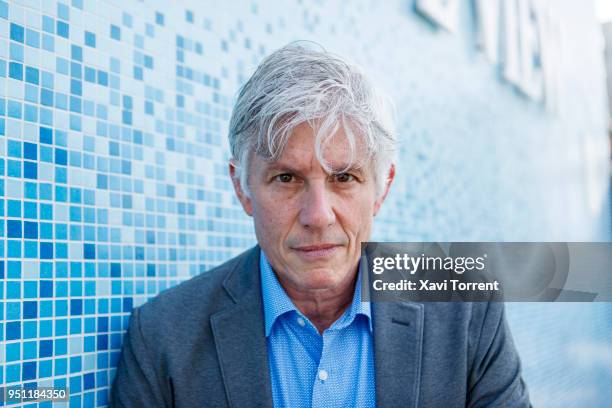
358, 216
273, 219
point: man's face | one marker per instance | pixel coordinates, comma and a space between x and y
310, 223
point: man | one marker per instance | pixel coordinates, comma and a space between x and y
283, 324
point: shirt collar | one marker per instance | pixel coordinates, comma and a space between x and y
276, 302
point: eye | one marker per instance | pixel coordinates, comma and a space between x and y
284, 178
344, 177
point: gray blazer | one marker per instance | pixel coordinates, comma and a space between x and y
202, 344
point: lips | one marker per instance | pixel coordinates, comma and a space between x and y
316, 247
316, 252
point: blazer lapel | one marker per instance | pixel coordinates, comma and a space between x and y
240, 338
398, 343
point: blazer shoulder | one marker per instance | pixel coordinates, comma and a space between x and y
197, 297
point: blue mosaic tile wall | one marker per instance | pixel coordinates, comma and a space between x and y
113, 120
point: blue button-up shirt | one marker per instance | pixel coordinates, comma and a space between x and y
307, 369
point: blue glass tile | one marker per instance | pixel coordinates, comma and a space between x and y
13, 168
4, 10
28, 371
60, 175
46, 97
46, 288
47, 79
76, 87
13, 330
14, 109
16, 71
14, 208
32, 38
46, 250
30, 310
76, 306
115, 32
76, 70
30, 209
148, 61
46, 135
31, 190
16, 52
30, 170
13, 352
45, 369
30, 249
32, 75
76, 53
102, 78
61, 100
31, 93
30, 113
48, 24
63, 29
30, 329
30, 289
60, 138
14, 148
30, 151
159, 18
88, 381
46, 211
14, 228
90, 39
90, 74
61, 157
46, 230
13, 310
61, 329
63, 11
17, 32
45, 191
46, 117
29, 350
13, 373
46, 309
60, 366
48, 43
61, 193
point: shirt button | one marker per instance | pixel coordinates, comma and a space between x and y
323, 375
301, 322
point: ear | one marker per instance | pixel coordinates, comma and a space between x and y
380, 199
242, 197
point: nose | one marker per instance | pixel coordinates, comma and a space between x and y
317, 211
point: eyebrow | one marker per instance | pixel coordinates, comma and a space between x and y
344, 168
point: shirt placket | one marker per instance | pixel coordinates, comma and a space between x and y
325, 382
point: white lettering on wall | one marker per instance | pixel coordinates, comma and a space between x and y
442, 12
522, 36
487, 14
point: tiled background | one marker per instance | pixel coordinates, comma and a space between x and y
113, 152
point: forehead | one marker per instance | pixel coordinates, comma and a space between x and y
335, 150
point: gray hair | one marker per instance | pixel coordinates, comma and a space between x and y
297, 85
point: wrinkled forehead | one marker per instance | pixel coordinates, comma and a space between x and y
337, 151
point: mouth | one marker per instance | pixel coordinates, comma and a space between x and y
317, 252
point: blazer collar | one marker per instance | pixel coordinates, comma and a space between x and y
240, 340
398, 346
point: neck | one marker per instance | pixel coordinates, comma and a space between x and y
323, 306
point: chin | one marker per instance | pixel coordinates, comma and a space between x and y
321, 278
